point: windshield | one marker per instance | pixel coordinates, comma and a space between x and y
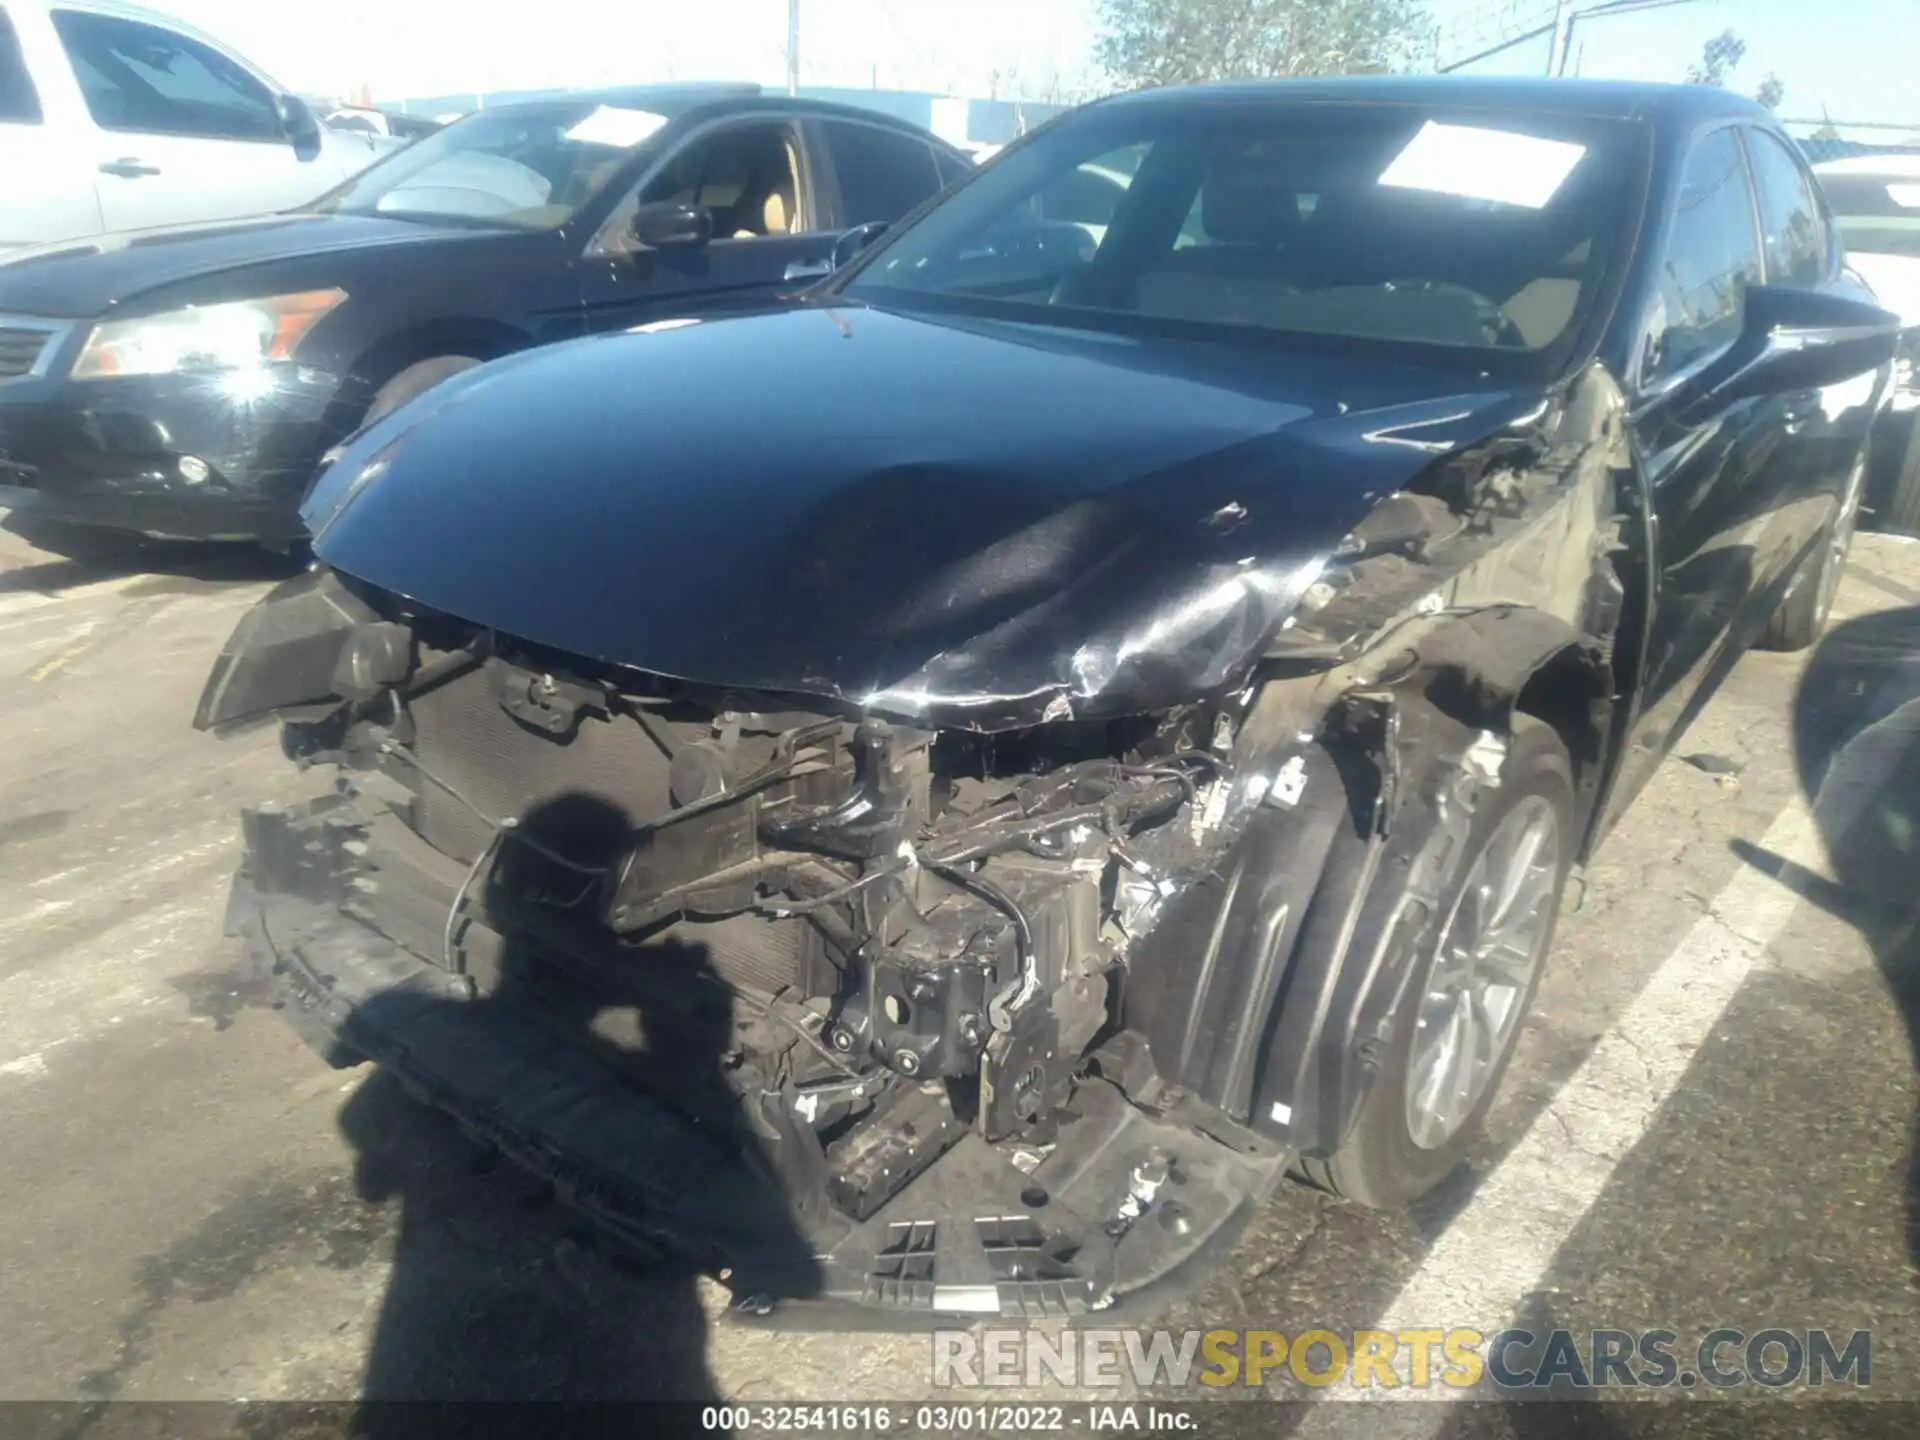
1877, 215
1479, 234
530, 167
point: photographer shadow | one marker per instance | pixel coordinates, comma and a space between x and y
1857, 753
497, 1294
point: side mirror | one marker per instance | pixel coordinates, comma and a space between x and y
664, 225
1795, 340
852, 242
298, 123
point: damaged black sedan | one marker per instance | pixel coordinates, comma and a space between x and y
941, 795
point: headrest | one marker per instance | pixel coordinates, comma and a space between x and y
773, 215
1246, 202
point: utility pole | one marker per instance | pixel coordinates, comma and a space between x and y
1562, 24
793, 47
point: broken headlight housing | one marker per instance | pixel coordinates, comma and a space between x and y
308, 639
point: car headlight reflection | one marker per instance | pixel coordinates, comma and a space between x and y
231, 336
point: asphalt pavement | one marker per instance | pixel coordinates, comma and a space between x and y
1711, 1122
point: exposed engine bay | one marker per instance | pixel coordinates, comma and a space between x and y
855, 941
889, 908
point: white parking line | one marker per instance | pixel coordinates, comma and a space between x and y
1501, 1246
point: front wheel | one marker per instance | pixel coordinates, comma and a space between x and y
1475, 970
1802, 616
415, 381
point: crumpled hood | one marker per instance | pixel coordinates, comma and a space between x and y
958, 520
81, 279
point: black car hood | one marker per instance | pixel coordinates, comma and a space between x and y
957, 520
81, 279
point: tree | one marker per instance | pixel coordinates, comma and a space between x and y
1175, 42
1721, 57
1722, 54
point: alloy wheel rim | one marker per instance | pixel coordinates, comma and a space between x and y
1492, 945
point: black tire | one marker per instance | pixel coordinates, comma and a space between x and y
415, 381
1802, 615
1379, 1162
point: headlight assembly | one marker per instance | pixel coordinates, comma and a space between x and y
231, 336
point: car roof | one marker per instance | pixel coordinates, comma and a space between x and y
122, 11
103, 7
1621, 99
836, 110
668, 99
682, 98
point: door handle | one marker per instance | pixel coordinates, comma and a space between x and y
809, 269
129, 168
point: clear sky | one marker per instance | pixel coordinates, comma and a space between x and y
1859, 59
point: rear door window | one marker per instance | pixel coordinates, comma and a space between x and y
147, 80
882, 173
1713, 256
1794, 229
19, 101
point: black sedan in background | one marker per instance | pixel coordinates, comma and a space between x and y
185, 382
939, 794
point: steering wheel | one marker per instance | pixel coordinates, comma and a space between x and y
1505, 332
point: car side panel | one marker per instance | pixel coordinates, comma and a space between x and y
1256, 986
488, 297
1712, 478
46, 170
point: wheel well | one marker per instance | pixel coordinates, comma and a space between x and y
1572, 693
482, 339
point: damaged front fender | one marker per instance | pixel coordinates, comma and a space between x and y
1498, 584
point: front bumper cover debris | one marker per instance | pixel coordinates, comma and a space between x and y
1086, 1231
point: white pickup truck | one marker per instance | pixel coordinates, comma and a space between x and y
113, 118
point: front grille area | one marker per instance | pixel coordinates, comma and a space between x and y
605, 778
583, 794
20, 349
